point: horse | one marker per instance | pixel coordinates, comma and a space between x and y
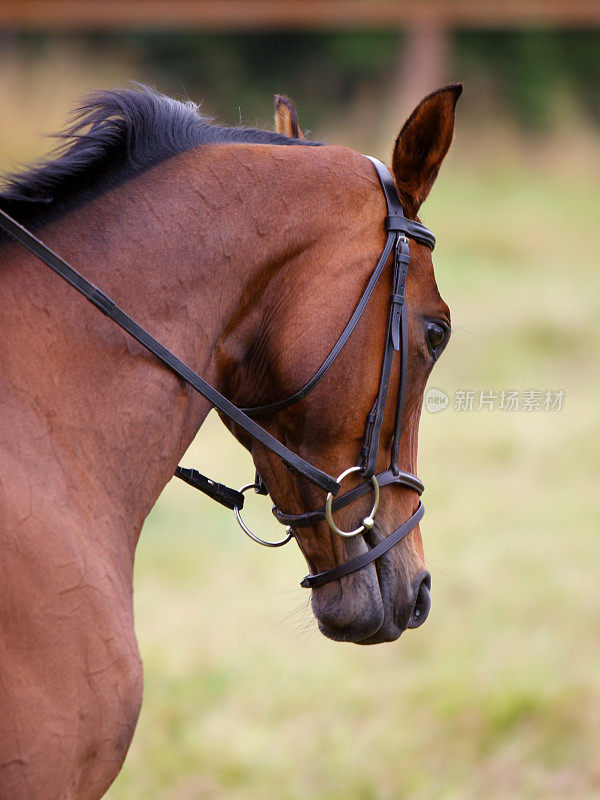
244, 251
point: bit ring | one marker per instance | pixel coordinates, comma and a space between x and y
368, 521
247, 530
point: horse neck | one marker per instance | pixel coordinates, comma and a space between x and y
187, 249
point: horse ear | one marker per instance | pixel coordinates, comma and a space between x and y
286, 119
422, 144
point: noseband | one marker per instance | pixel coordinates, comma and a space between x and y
399, 231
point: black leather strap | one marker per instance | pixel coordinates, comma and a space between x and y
398, 297
401, 393
396, 221
321, 578
227, 497
368, 456
386, 478
397, 314
277, 405
111, 310
409, 227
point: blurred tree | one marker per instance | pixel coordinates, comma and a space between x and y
527, 69
526, 72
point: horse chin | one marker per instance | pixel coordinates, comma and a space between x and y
352, 612
364, 608
388, 632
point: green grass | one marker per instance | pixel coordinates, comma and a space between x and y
497, 696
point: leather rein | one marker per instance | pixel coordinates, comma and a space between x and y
399, 231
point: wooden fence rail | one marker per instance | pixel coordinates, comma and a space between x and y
294, 14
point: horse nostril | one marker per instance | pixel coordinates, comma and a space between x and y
422, 605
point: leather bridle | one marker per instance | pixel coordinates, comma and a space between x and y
399, 231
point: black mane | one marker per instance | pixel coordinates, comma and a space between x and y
113, 136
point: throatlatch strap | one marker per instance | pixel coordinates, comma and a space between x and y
113, 312
335, 350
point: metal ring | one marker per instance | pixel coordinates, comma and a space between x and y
247, 530
368, 521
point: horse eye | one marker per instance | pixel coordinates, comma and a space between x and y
437, 336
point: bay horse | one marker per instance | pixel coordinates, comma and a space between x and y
244, 252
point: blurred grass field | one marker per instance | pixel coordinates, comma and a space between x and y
497, 696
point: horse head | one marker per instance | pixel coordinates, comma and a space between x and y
303, 314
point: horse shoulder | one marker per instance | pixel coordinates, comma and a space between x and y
71, 685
